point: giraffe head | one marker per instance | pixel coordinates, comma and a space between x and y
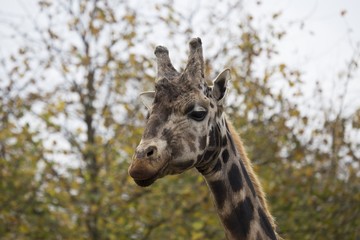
183, 128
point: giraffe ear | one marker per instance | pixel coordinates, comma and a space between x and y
147, 98
220, 85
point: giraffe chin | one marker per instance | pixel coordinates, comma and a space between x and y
145, 182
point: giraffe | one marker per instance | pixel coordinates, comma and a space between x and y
187, 128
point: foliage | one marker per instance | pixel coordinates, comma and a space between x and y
70, 122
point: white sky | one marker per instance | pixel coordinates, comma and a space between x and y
325, 44
320, 49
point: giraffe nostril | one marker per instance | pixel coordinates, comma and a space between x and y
151, 152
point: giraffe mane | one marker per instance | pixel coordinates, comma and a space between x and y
248, 165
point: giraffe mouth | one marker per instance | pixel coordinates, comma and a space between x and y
146, 182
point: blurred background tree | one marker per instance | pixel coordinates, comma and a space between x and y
70, 122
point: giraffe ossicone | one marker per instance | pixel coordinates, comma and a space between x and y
186, 128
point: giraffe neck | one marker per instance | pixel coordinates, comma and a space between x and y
238, 196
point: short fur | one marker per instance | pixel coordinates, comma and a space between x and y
258, 188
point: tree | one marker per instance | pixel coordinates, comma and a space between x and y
68, 134
23, 211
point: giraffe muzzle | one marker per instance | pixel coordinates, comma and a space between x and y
147, 164
143, 174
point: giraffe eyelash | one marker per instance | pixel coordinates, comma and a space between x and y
198, 115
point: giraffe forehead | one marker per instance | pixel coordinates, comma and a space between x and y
178, 98
169, 114
182, 105
173, 90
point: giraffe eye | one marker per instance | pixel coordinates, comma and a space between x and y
198, 115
